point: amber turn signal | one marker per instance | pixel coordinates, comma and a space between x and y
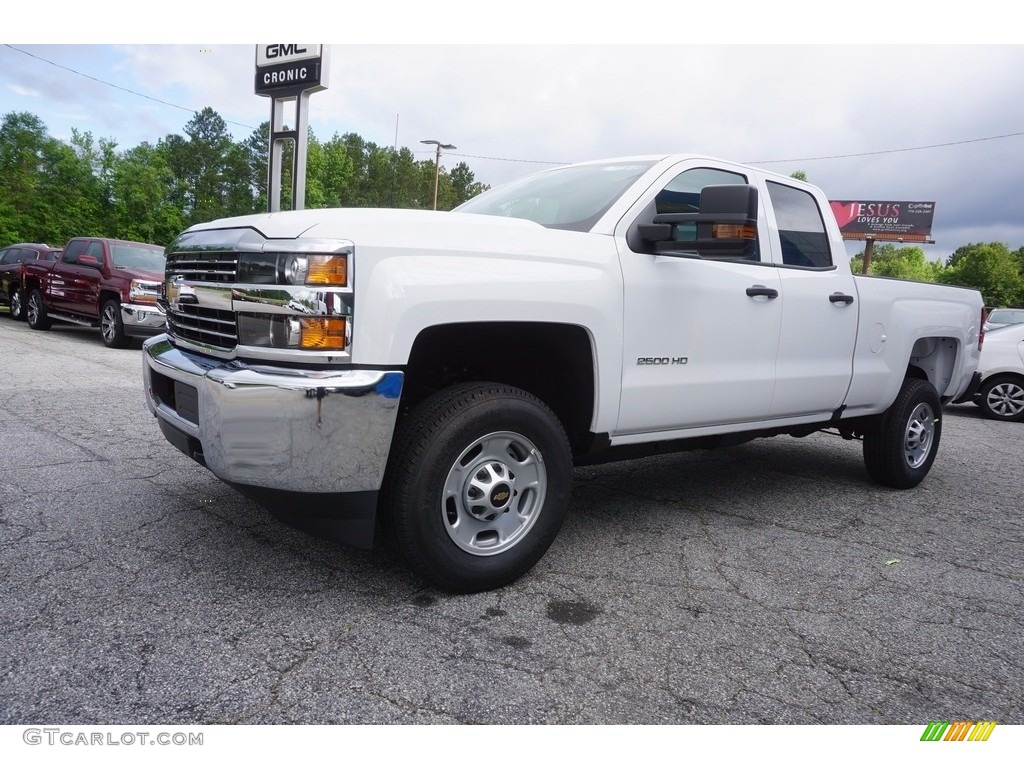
327, 270
322, 333
744, 231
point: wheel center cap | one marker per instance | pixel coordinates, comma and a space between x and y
490, 491
501, 494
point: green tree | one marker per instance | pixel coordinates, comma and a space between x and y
143, 207
52, 190
337, 173
256, 149
1019, 256
71, 200
212, 176
23, 140
989, 267
798, 175
907, 262
238, 196
348, 171
98, 162
357, 150
403, 187
464, 184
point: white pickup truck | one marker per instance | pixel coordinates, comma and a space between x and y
436, 375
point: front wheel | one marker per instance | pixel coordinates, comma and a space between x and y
900, 444
35, 313
111, 325
1002, 397
477, 487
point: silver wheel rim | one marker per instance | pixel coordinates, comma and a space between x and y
1006, 399
919, 436
16, 304
494, 493
108, 323
33, 309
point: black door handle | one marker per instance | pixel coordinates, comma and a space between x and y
762, 290
841, 298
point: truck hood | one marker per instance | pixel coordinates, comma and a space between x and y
138, 274
403, 230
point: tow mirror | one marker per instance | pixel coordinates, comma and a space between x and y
725, 225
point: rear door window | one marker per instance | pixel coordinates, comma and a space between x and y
801, 227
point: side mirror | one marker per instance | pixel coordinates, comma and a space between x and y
724, 227
89, 261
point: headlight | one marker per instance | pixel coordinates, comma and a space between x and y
144, 292
327, 334
296, 267
316, 269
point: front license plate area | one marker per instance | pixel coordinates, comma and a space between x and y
186, 402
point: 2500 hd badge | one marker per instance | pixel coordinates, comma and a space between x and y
662, 360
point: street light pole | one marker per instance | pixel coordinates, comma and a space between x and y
437, 162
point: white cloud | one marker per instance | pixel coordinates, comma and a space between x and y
27, 92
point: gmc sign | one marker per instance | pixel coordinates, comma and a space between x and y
285, 53
287, 69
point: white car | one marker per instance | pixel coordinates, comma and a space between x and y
997, 318
1001, 394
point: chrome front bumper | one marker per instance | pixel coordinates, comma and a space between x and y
142, 319
271, 427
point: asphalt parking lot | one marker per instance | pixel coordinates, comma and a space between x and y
768, 583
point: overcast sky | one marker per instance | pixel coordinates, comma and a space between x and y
921, 122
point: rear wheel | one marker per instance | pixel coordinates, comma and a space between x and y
17, 307
900, 444
477, 486
1002, 397
35, 311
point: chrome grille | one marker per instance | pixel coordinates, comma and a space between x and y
212, 274
204, 266
202, 325
195, 323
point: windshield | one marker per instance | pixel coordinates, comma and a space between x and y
139, 257
1006, 316
571, 198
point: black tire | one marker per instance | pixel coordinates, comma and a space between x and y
17, 305
1002, 397
111, 325
477, 486
900, 444
35, 311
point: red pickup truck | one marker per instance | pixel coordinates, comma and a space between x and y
99, 282
12, 272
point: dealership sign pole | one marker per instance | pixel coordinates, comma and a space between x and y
289, 72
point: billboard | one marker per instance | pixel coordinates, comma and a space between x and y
886, 220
